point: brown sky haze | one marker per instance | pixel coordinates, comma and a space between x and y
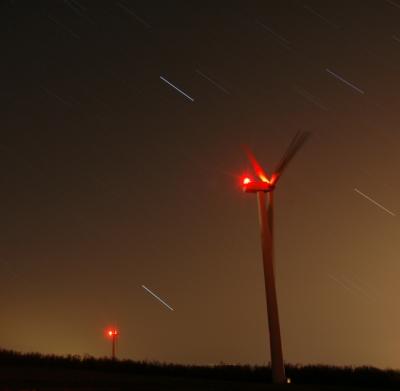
111, 179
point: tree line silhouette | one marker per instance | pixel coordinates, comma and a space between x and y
364, 376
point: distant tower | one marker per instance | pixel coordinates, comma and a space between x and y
113, 333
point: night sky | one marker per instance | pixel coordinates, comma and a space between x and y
112, 179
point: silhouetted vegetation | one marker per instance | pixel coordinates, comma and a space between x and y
308, 374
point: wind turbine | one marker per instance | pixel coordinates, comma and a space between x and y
112, 333
265, 212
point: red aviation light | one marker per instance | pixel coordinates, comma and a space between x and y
112, 332
246, 181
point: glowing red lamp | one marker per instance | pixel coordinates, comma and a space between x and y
112, 333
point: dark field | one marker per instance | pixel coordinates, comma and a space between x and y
37, 372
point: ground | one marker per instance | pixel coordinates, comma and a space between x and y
58, 379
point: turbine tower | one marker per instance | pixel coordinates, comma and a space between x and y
267, 185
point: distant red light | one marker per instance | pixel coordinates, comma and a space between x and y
246, 180
112, 332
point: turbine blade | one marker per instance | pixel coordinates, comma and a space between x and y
298, 140
256, 166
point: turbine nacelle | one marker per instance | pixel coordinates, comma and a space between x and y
250, 186
266, 183
112, 333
